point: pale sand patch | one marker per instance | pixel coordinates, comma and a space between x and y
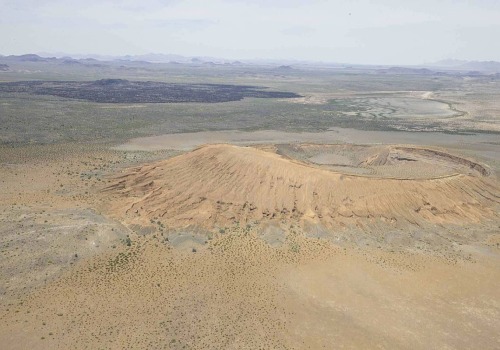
426, 305
189, 141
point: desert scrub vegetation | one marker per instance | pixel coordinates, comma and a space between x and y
120, 261
127, 241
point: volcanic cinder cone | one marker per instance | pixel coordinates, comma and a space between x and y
218, 185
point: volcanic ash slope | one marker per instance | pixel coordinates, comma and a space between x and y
219, 185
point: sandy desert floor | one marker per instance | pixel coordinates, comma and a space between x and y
358, 208
269, 246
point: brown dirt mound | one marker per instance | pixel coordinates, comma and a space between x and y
219, 185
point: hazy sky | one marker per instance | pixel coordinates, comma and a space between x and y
363, 31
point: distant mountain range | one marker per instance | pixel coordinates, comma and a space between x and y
436, 68
482, 66
150, 57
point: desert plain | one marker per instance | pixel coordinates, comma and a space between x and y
265, 208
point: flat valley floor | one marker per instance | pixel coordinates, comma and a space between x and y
344, 237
